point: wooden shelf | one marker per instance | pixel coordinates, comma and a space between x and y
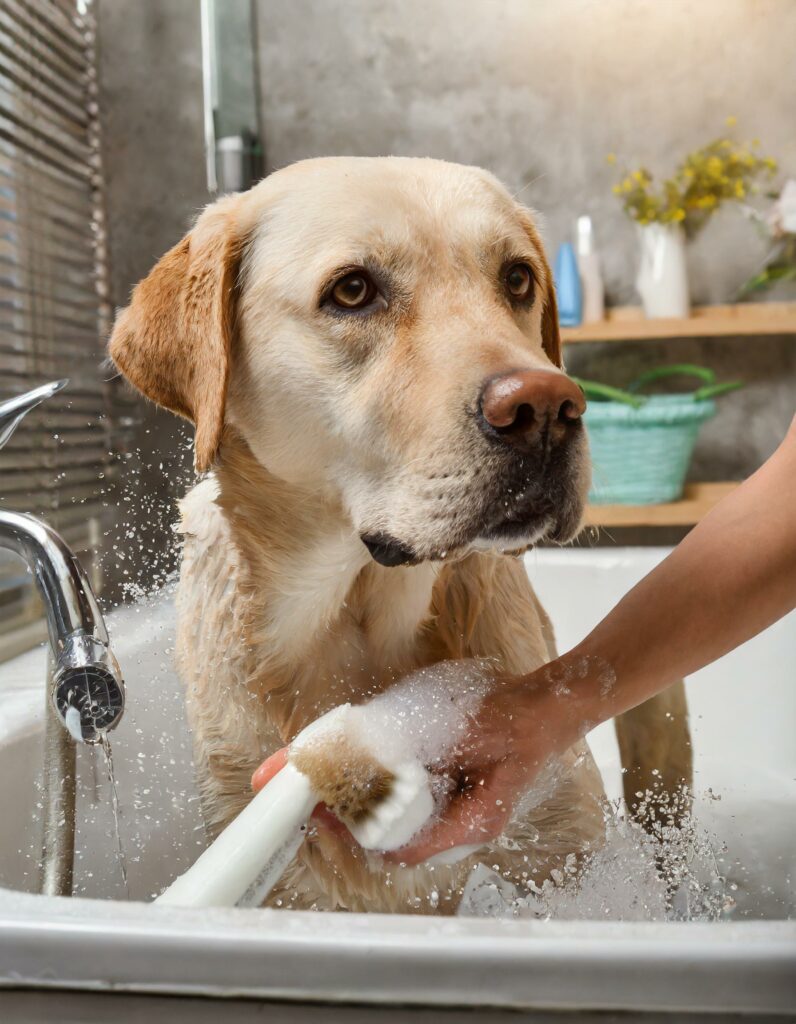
627, 323
696, 502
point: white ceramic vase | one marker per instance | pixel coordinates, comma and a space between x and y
662, 274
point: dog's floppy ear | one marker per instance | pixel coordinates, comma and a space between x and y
551, 336
173, 341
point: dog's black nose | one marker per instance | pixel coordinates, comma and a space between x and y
517, 407
386, 550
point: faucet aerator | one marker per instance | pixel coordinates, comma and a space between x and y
87, 681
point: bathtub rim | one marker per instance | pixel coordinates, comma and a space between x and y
376, 959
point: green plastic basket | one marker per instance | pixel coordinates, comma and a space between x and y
641, 455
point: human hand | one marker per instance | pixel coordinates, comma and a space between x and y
519, 726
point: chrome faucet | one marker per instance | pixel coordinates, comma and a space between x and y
85, 692
86, 686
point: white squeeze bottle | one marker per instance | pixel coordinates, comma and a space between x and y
591, 278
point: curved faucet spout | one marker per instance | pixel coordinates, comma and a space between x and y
86, 677
87, 686
13, 410
69, 601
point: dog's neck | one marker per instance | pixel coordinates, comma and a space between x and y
311, 578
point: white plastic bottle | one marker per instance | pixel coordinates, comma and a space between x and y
591, 278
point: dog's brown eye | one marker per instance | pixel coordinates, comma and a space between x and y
353, 291
519, 281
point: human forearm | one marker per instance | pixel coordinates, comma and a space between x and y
729, 579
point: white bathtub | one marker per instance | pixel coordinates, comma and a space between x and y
743, 711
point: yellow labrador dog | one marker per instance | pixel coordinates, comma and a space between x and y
369, 351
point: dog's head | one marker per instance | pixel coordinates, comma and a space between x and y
384, 329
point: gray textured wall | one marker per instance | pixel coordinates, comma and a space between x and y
539, 91
150, 75
152, 120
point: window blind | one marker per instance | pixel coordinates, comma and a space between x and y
54, 313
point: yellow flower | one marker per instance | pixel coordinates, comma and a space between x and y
731, 121
611, 158
705, 178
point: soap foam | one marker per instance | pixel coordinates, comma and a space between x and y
411, 728
425, 716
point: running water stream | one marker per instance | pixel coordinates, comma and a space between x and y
105, 745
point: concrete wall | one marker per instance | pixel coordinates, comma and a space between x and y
539, 91
150, 77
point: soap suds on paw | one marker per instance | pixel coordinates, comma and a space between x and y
370, 763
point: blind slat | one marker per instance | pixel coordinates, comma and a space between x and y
38, 137
77, 283
20, 158
33, 146
68, 273
54, 238
47, 114
27, 251
77, 347
20, 175
19, 197
39, 60
42, 118
68, 318
26, 20
63, 425
57, 22
59, 17
42, 86
71, 344
18, 186
20, 463
50, 289
82, 407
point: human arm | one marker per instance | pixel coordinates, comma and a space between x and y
731, 577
